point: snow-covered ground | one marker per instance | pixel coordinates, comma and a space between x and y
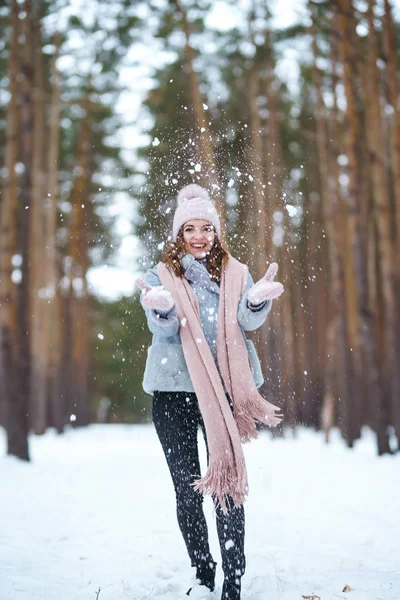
93, 518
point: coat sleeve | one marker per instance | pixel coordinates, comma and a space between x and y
252, 317
162, 323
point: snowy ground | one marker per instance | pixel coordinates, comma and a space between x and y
95, 511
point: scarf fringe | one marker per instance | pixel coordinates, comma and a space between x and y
226, 482
255, 409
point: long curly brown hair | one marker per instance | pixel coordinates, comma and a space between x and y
175, 251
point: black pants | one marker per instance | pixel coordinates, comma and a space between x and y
177, 417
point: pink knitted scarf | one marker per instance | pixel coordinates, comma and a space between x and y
226, 474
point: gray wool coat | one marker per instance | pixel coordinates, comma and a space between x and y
166, 369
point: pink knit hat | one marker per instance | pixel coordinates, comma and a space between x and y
194, 203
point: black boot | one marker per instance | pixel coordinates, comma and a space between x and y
205, 574
231, 589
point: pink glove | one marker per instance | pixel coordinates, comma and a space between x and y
266, 288
155, 297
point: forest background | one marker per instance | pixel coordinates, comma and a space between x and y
291, 121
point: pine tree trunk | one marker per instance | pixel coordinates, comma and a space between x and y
37, 250
256, 218
381, 199
206, 148
67, 401
16, 399
302, 324
273, 159
20, 410
394, 134
245, 207
336, 376
53, 322
79, 302
287, 331
393, 89
313, 400
260, 238
280, 333
344, 293
298, 343
364, 349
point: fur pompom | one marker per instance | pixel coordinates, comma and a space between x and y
192, 191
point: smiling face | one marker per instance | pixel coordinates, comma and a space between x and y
199, 236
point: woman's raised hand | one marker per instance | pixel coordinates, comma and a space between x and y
155, 297
266, 288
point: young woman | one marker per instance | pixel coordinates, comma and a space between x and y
203, 372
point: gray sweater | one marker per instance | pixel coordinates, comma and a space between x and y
166, 368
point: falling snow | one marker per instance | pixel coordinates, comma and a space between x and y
292, 210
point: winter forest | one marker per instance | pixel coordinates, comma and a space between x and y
302, 158
288, 113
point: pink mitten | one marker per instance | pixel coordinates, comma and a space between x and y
155, 297
266, 288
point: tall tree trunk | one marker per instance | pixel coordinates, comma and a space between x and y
16, 398
364, 349
256, 219
25, 205
301, 316
312, 397
394, 131
260, 232
206, 148
393, 89
53, 322
381, 199
280, 320
256, 161
273, 159
79, 301
245, 204
336, 331
347, 383
287, 328
37, 240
